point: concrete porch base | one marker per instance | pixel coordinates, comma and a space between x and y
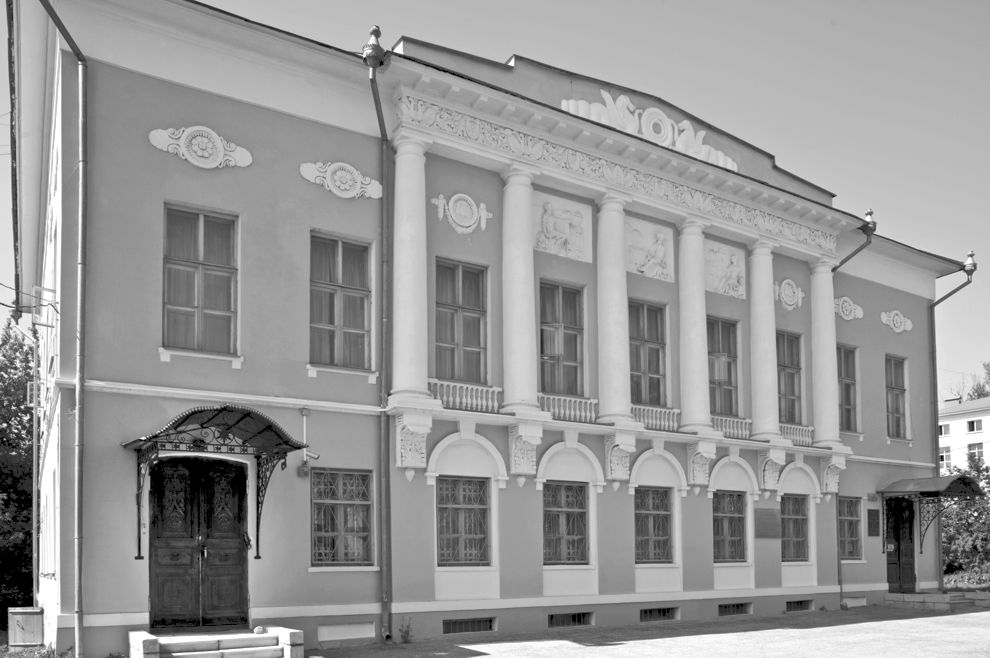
275, 642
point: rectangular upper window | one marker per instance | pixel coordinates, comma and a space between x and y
975, 452
846, 361
794, 528
974, 425
339, 304
943, 429
341, 517
850, 529
462, 522
646, 355
729, 526
565, 523
896, 383
723, 368
789, 377
200, 296
654, 525
561, 340
945, 459
460, 350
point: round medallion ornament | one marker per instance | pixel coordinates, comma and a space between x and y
462, 213
202, 147
344, 180
790, 294
848, 309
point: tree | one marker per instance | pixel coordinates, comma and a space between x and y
16, 372
981, 388
966, 530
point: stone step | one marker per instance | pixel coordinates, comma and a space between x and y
246, 652
193, 643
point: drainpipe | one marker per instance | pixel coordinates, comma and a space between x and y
375, 57
969, 268
869, 228
35, 494
80, 377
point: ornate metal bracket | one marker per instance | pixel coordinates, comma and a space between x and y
266, 466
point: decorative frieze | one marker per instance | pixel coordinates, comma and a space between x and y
342, 179
561, 227
200, 146
523, 146
462, 213
847, 309
897, 321
725, 270
651, 123
649, 249
788, 293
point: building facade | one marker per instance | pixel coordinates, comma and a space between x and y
559, 353
960, 433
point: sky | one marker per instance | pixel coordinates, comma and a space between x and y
883, 102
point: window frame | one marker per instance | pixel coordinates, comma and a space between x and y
718, 387
943, 429
341, 503
461, 508
789, 403
974, 450
848, 389
201, 268
560, 514
721, 540
640, 346
653, 538
847, 523
559, 330
793, 547
974, 426
460, 312
945, 458
897, 421
340, 290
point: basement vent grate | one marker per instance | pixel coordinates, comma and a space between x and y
657, 614
478, 625
726, 609
569, 619
798, 606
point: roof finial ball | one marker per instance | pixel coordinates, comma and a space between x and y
373, 53
969, 267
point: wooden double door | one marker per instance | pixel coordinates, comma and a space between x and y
900, 545
198, 545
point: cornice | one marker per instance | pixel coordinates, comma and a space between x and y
513, 142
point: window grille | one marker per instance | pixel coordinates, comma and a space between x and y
341, 509
653, 525
658, 614
798, 606
565, 523
729, 526
462, 522
478, 625
726, 609
559, 620
794, 528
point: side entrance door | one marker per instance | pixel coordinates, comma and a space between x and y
900, 545
197, 542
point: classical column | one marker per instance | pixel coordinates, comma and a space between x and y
763, 343
410, 312
825, 370
613, 312
693, 323
520, 357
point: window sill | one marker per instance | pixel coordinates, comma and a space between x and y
897, 440
857, 560
166, 354
569, 567
730, 565
848, 436
343, 569
466, 569
658, 565
314, 370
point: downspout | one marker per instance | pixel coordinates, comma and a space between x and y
969, 267
374, 57
80, 377
35, 493
869, 228
14, 210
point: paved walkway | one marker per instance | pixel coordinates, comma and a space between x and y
871, 631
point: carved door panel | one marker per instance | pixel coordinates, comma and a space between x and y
900, 545
198, 564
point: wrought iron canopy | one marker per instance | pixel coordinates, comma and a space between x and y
223, 429
933, 496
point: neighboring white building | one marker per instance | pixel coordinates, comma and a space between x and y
960, 432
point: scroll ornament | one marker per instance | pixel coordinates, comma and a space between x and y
848, 309
462, 213
200, 146
896, 321
789, 294
342, 179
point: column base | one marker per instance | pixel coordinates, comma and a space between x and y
413, 399
526, 411
773, 438
621, 422
702, 431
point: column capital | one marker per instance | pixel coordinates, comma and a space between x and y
823, 265
614, 198
763, 245
519, 170
407, 142
694, 225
